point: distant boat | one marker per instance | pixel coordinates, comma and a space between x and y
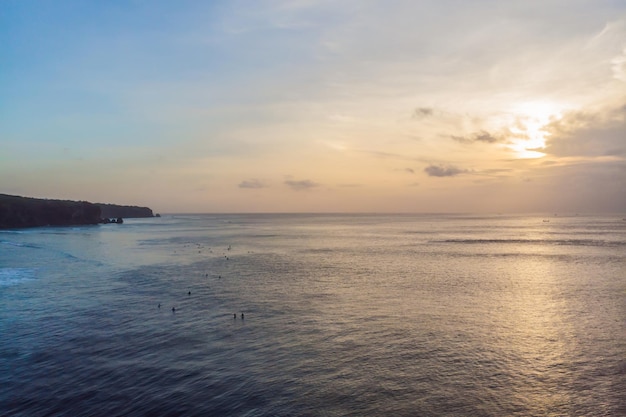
546, 221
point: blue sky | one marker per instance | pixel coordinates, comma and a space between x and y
247, 106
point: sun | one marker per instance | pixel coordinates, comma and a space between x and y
529, 130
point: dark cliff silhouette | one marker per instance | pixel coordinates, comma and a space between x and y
115, 211
19, 212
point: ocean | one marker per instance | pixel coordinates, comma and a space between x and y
316, 315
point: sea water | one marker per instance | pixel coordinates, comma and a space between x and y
316, 315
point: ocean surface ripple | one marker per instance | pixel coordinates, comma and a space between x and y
316, 315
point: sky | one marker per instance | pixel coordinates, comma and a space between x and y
487, 106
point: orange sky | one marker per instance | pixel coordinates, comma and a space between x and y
315, 106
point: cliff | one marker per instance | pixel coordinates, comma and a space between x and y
113, 210
18, 212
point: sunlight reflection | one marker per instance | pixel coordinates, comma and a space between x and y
538, 331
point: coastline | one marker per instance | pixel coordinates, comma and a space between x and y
17, 212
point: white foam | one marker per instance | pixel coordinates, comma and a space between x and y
15, 276
6, 242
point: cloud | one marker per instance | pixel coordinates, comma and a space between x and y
422, 113
588, 134
588, 185
496, 171
253, 183
618, 66
301, 185
441, 171
482, 136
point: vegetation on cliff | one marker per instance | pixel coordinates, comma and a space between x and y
18, 212
116, 211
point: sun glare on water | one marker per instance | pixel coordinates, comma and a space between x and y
529, 132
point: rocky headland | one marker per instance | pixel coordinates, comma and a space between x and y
116, 211
20, 212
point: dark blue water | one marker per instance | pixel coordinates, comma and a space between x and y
344, 315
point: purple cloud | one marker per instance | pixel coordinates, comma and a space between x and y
441, 171
253, 183
301, 185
